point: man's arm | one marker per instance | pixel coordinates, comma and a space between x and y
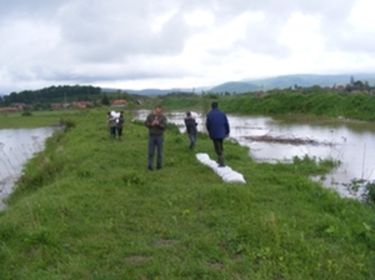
163, 122
227, 128
208, 123
148, 121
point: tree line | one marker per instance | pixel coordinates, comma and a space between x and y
52, 94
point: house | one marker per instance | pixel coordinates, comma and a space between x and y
119, 103
82, 104
9, 109
57, 106
20, 106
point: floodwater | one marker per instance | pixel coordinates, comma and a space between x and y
352, 144
17, 146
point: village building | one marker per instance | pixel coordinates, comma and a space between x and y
119, 103
82, 104
57, 106
9, 110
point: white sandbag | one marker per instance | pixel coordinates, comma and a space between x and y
226, 173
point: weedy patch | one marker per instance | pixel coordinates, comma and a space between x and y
162, 243
137, 260
132, 178
67, 123
370, 192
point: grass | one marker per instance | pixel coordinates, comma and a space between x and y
36, 119
359, 106
87, 208
308, 102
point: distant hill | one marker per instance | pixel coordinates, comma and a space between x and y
279, 82
153, 91
237, 87
287, 81
53, 94
148, 92
307, 80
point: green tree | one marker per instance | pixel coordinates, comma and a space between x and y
105, 100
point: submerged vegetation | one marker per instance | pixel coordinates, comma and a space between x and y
87, 208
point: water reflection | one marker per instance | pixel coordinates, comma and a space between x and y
17, 146
350, 144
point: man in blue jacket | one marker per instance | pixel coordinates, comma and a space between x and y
218, 128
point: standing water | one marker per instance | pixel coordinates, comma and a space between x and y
351, 144
17, 146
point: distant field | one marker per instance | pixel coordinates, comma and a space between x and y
36, 119
322, 102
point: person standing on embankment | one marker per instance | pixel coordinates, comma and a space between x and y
218, 128
191, 129
156, 123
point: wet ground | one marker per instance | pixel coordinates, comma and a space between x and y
350, 143
17, 146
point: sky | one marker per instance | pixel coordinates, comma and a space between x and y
180, 43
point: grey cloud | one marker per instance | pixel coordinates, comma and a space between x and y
90, 35
262, 38
100, 32
25, 8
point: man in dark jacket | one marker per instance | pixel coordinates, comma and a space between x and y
218, 128
191, 129
156, 123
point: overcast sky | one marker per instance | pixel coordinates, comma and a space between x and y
176, 43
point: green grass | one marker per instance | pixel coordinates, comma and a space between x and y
309, 102
36, 119
87, 208
324, 103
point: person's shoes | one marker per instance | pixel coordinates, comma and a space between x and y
150, 168
221, 165
158, 167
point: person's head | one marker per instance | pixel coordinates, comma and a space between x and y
214, 105
188, 114
158, 110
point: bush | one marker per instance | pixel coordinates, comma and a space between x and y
370, 194
26, 113
67, 123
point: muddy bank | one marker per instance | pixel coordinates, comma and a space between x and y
291, 141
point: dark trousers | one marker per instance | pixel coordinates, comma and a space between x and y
119, 132
193, 140
112, 131
155, 142
219, 149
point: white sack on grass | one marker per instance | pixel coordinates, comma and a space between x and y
226, 173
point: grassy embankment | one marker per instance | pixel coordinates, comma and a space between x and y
359, 106
354, 106
87, 208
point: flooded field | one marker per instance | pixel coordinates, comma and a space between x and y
351, 144
17, 146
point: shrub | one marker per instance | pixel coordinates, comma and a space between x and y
370, 194
27, 114
67, 124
